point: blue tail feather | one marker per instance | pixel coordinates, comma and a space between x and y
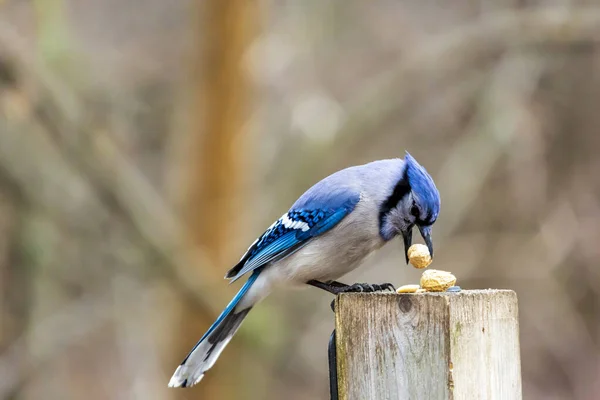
204, 354
232, 304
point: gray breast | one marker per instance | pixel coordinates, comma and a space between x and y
336, 252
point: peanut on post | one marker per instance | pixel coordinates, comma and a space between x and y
418, 256
437, 281
408, 289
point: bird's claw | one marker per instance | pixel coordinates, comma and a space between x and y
369, 288
364, 288
387, 286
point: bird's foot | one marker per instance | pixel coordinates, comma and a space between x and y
336, 288
367, 288
363, 288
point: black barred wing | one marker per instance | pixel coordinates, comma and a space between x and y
288, 234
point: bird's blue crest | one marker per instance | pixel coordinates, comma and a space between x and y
423, 187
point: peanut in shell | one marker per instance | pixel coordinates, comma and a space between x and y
418, 256
434, 280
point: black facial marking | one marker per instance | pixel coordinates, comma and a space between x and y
401, 189
428, 218
414, 210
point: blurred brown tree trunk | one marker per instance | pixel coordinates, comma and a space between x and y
213, 167
220, 108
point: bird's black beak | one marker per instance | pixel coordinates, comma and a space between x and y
407, 241
426, 233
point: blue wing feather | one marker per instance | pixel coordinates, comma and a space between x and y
290, 233
332, 220
269, 253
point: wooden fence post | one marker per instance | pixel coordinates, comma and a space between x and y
428, 346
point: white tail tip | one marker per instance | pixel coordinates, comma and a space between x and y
184, 377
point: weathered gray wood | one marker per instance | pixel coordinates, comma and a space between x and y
428, 346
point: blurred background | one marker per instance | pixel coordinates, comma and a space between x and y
144, 144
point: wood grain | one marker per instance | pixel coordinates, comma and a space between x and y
428, 346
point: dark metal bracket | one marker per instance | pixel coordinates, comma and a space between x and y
332, 355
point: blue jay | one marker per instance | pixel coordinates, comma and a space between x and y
326, 233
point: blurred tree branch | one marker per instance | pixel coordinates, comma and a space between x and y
499, 121
81, 179
53, 37
36, 163
440, 63
58, 331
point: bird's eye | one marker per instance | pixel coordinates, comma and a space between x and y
414, 210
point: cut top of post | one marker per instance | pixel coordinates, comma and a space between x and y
461, 345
